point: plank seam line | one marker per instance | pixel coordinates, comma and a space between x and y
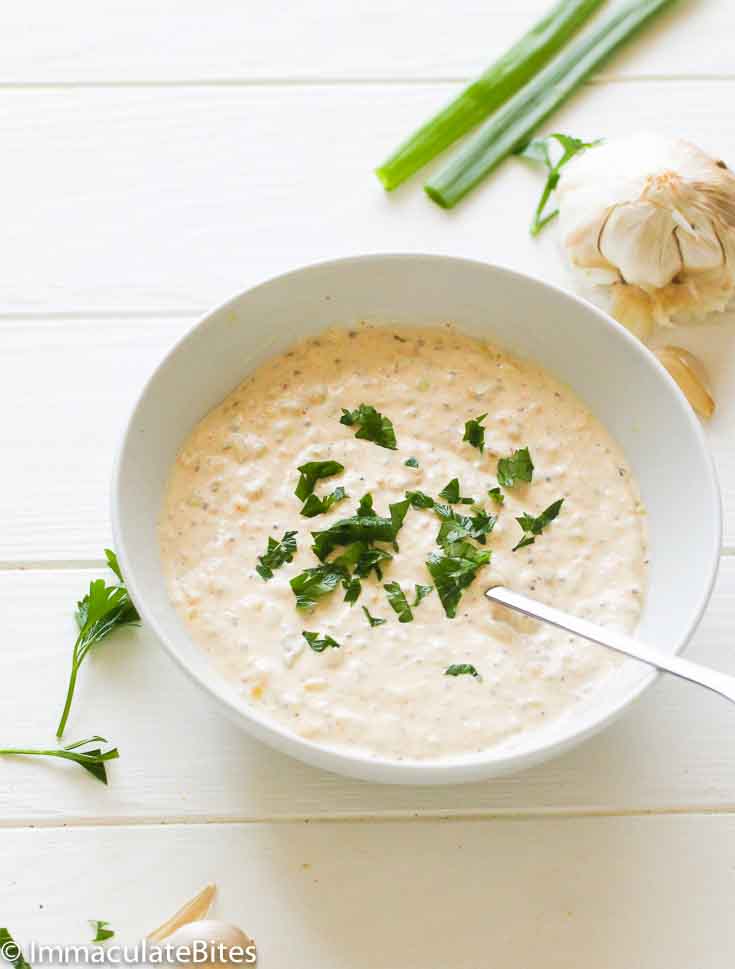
383, 817
313, 81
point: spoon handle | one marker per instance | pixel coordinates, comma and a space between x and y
718, 682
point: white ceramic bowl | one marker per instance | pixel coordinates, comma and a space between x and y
618, 378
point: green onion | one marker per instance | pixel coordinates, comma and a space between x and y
493, 88
511, 127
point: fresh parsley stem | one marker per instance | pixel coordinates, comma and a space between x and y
513, 125
69, 693
492, 89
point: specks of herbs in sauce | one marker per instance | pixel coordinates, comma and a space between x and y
373, 620
462, 669
319, 643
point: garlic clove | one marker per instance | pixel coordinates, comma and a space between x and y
634, 309
194, 910
689, 374
639, 239
227, 943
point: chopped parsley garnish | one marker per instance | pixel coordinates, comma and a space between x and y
518, 467
450, 493
311, 472
11, 951
102, 610
497, 496
365, 527
312, 584
353, 588
420, 500
453, 569
456, 527
102, 930
373, 620
92, 760
370, 560
276, 555
398, 602
461, 669
374, 426
474, 432
314, 505
320, 643
422, 591
411, 463
534, 526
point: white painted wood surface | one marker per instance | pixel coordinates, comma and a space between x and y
155, 159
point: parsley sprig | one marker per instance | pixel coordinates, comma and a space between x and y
276, 555
374, 426
451, 493
11, 951
534, 526
456, 527
474, 432
103, 932
314, 471
314, 505
518, 467
319, 643
398, 602
104, 609
92, 759
453, 569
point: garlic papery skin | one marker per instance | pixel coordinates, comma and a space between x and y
196, 909
689, 374
648, 226
209, 943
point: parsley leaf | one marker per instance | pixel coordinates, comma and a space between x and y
398, 602
534, 526
370, 560
539, 150
474, 432
497, 496
411, 463
312, 584
456, 527
276, 555
453, 569
102, 930
518, 467
102, 610
450, 493
11, 951
365, 527
353, 588
311, 472
422, 591
374, 426
92, 760
419, 500
373, 620
461, 669
320, 643
314, 505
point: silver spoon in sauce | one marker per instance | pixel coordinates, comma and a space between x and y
703, 676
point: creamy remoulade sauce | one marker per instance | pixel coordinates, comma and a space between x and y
385, 692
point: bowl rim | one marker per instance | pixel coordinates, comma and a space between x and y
358, 764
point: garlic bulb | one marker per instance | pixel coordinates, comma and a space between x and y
649, 222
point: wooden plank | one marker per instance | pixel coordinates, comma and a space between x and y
181, 759
85, 42
172, 199
606, 892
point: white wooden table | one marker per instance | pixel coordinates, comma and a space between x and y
156, 157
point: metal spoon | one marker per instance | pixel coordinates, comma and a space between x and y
718, 682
